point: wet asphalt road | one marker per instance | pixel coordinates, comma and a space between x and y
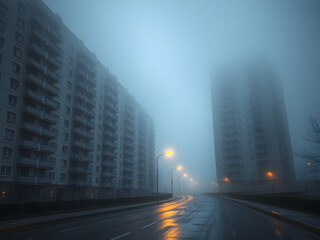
199, 217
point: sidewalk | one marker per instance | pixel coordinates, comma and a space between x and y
308, 221
15, 224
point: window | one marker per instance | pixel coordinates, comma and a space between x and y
62, 177
14, 84
2, 26
5, 171
69, 85
97, 169
7, 152
17, 52
66, 123
16, 67
51, 175
98, 158
68, 110
21, 8
53, 159
3, 9
1, 42
20, 22
64, 149
68, 98
12, 100
97, 180
8, 134
66, 136
98, 147
63, 163
11, 117
19, 37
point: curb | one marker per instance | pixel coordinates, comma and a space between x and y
279, 216
7, 229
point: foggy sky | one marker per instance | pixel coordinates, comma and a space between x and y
164, 53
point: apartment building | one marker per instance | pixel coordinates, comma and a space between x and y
252, 142
69, 129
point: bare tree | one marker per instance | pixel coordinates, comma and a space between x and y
312, 153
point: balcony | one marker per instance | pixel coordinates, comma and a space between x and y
127, 177
47, 148
83, 133
85, 76
88, 67
37, 49
34, 95
108, 174
80, 170
49, 133
113, 126
30, 144
108, 185
85, 99
44, 180
85, 110
108, 163
46, 164
36, 64
82, 158
128, 169
35, 32
40, 83
50, 118
110, 144
109, 154
80, 183
111, 116
109, 134
54, 62
128, 152
53, 76
32, 111
50, 103
86, 146
112, 98
25, 179
30, 128
111, 106
27, 162
54, 48
87, 88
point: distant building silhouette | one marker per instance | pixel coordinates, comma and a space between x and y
251, 136
68, 128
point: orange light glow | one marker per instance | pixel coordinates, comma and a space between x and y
275, 212
269, 174
226, 179
212, 183
308, 163
191, 179
185, 175
179, 168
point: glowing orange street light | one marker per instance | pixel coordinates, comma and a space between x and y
163, 154
269, 174
191, 179
177, 168
226, 179
185, 175
309, 163
212, 183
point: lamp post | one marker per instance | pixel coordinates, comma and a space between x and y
177, 168
271, 176
163, 154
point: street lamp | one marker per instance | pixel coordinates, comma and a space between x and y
226, 179
163, 154
271, 176
177, 168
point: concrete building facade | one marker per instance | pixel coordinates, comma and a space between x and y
251, 135
68, 128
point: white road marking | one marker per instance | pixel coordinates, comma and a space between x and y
148, 225
120, 236
70, 229
109, 220
234, 233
